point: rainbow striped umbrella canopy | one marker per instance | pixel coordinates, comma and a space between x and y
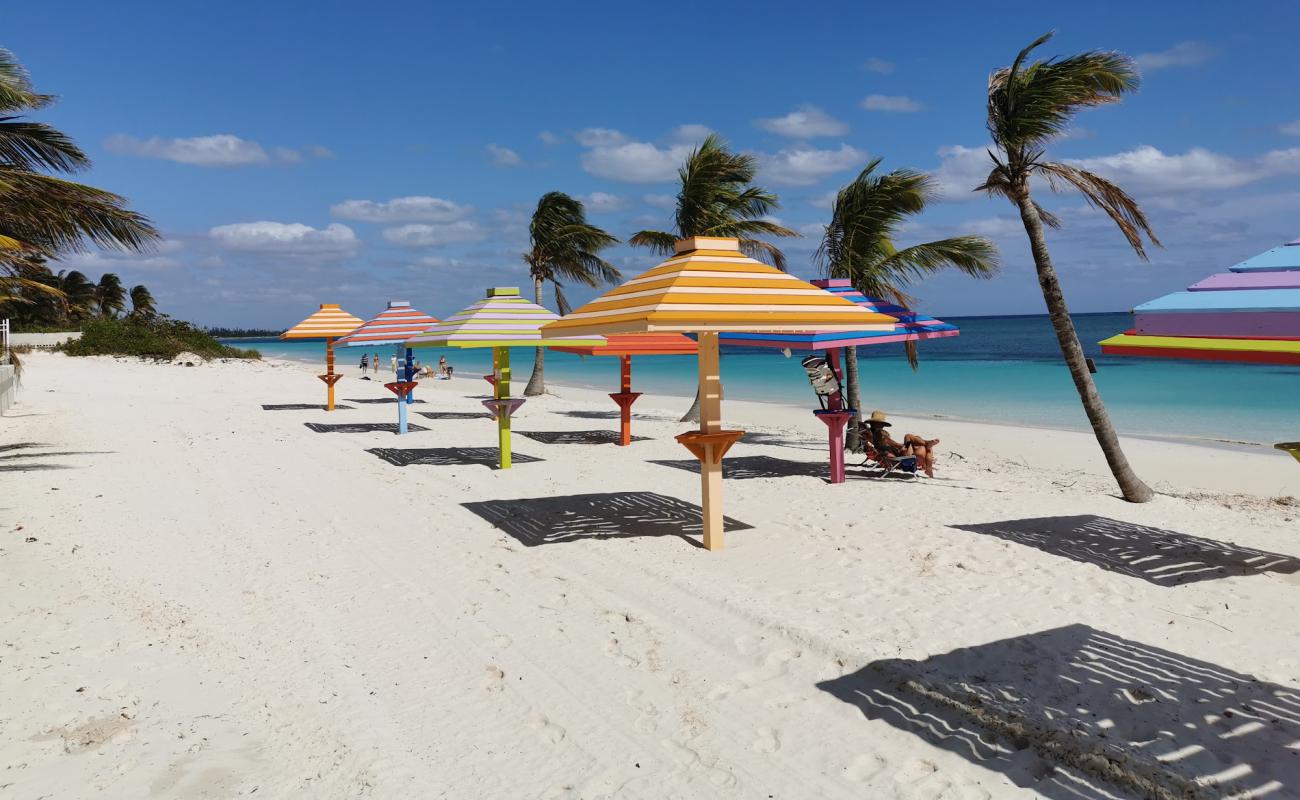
327, 323
393, 325
502, 319
1250, 313
709, 285
908, 326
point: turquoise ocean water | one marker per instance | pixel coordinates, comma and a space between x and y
1001, 369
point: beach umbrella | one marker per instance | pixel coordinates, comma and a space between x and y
329, 323
624, 346
908, 326
393, 326
709, 287
1251, 314
500, 321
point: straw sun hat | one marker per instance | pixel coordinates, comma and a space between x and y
878, 416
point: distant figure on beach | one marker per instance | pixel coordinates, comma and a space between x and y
443, 371
365, 362
374, 361
394, 363
912, 445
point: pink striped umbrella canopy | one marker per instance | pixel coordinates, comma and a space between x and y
394, 325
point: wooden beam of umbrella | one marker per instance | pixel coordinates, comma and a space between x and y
328, 323
500, 321
393, 326
908, 326
707, 287
624, 346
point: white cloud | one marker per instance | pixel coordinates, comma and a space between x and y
614, 155
804, 122
879, 66
600, 137
993, 227
602, 202
1147, 169
665, 201
548, 138
425, 235
691, 133
886, 102
960, 170
802, 165
824, 200
812, 230
221, 150
1183, 54
286, 238
503, 156
97, 262
1290, 128
438, 262
401, 209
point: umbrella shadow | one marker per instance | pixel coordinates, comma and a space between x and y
4, 448
1161, 557
1075, 712
301, 407
360, 427
750, 467
454, 414
612, 515
377, 400
447, 456
579, 414
18, 461
28, 467
578, 437
779, 440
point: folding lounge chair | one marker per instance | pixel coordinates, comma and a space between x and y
888, 465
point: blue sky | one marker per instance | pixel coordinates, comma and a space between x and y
269, 141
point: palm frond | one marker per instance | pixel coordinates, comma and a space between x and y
1123, 210
54, 215
16, 92
35, 145
656, 241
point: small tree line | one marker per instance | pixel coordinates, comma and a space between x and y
75, 298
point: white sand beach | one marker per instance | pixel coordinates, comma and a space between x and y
203, 597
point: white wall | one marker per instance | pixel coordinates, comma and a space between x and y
42, 339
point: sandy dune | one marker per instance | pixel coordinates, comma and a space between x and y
205, 598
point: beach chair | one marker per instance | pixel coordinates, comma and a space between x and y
888, 465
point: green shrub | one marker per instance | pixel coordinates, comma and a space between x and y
156, 337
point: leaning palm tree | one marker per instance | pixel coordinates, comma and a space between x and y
717, 198
40, 213
80, 294
1030, 105
563, 245
110, 295
859, 244
142, 303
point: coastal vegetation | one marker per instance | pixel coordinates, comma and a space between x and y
563, 246
717, 198
859, 244
1031, 104
67, 299
43, 216
156, 337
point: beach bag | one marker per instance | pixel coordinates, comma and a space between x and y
822, 378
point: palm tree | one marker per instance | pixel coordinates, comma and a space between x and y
717, 199
1029, 105
40, 213
80, 294
142, 304
110, 295
859, 245
563, 246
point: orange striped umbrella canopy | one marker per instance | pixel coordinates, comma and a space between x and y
329, 322
639, 344
709, 285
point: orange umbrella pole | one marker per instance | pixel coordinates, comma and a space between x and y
710, 443
625, 397
330, 377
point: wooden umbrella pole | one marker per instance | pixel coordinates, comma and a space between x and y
502, 387
625, 408
711, 422
329, 371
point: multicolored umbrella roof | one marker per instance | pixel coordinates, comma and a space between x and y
393, 325
908, 326
639, 344
1250, 313
330, 321
502, 319
709, 285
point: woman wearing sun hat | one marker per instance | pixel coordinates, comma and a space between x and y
912, 445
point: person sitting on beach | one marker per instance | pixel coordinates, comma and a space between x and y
912, 445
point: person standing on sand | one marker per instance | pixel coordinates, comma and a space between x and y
393, 360
365, 363
442, 367
374, 362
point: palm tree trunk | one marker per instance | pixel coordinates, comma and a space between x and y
1130, 485
537, 381
853, 441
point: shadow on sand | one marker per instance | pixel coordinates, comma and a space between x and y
614, 515
301, 407
747, 467
578, 437
455, 414
361, 427
447, 456
377, 400
1165, 558
1073, 711
612, 415
4, 448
